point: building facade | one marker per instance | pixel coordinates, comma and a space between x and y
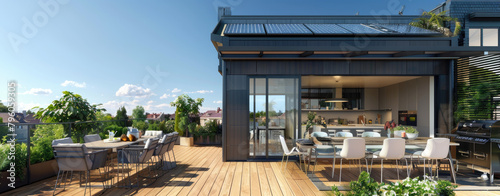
353, 72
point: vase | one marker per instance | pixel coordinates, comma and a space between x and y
388, 133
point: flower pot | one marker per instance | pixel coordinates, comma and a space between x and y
186, 141
412, 136
398, 134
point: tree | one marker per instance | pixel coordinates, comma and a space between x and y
121, 115
69, 108
141, 125
3, 108
185, 107
437, 22
138, 114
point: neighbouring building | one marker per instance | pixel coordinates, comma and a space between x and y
23, 122
354, 72
211, 115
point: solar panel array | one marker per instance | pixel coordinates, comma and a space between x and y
245, 29
407, 29
324, 29
327, 29
287, 29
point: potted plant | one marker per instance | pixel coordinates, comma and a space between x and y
398, 131
411, 132
185, 107
310, 122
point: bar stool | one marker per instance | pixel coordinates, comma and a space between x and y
359, 132
346, 130
377, 131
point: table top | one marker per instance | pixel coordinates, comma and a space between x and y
111, 145
380, 141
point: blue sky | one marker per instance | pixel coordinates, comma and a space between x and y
135, 52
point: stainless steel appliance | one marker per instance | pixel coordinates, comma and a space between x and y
479, 145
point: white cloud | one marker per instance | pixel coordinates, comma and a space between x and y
38, 91
164, 96
112, 106
130, 90
176, 90
218, 102
29, 106
202, 91
150, 102
73, 83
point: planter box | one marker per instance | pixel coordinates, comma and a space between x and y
186, 141
217, 140
43, 170
4, 181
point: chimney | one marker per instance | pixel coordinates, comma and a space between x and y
218, 110
224, 11
24, 113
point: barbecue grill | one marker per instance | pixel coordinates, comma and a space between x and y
479, 145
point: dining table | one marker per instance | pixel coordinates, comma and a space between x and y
374, 143
114, 146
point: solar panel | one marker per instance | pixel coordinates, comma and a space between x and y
244, 29
287, 29
360, 29
407, 29
327, 29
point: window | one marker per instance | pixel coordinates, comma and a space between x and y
474, 37
490, 37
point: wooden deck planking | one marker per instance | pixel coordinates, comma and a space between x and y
200, 171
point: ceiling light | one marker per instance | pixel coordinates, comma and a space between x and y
337, 100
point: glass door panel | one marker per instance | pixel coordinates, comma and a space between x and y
274, 104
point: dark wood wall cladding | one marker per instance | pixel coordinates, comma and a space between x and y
237, 130
338, 67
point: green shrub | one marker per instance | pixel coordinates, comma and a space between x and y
169, 126
162, 127
154, 126
365, 186
141, 125
21, 156
368, 186
41, 142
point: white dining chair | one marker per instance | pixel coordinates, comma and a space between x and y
287, 152
392, 149
343, 134
352, 149
436, 149
154, 133
370, 134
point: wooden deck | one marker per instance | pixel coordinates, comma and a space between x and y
200, 171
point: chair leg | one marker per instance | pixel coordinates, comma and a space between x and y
424, 166
282, 158
407, 169
381, 170
175, 161
340, 173
90, 185
333, 166
286, 162
397, 168
56, 182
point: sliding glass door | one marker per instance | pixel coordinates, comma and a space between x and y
274, 104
